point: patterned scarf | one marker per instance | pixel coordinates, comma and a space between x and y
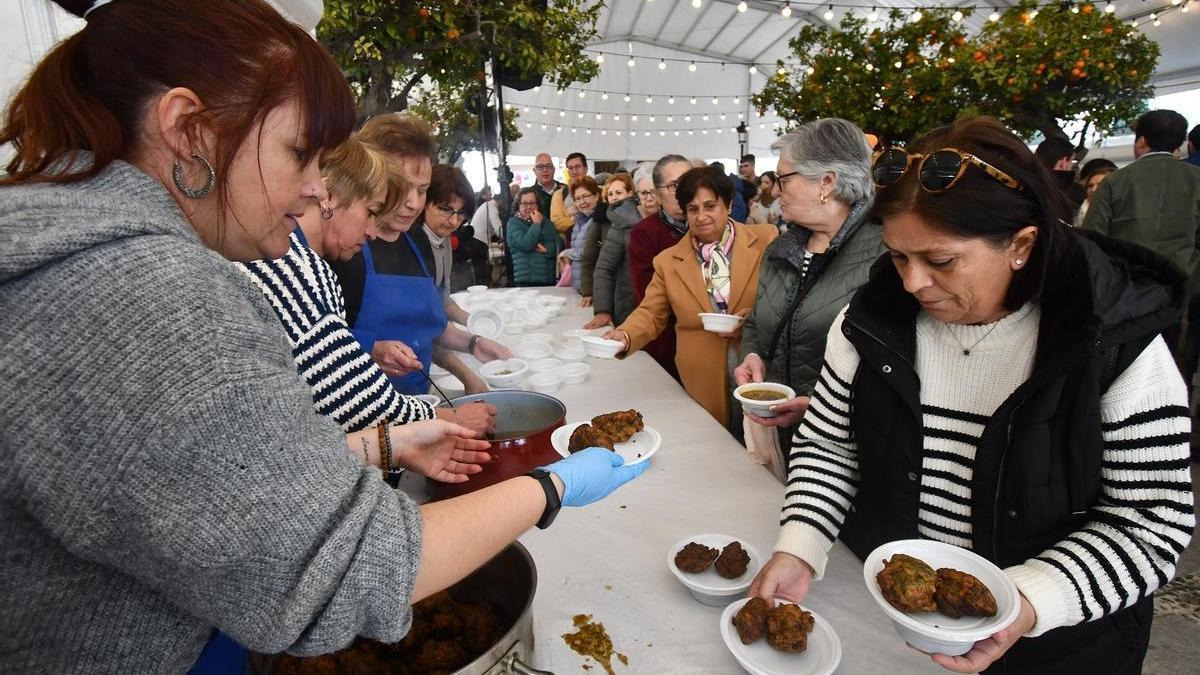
714, 263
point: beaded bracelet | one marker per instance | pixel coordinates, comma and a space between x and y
385, 447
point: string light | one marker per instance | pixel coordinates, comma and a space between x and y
692, 67
787, 10
696, 3
599, 58
1109, 8
741, 7
716, 101
753, 70
671, 100
873, 16
631, 63
958, 16
582, 94
627, 98
604, 96
915, 16
781, 71
994, 16
737, 100
692, 100
662, 65
828, 13
1074, 9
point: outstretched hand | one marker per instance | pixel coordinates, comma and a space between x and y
441, 450
988, 651
784, 576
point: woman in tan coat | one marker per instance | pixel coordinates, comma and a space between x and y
713, 269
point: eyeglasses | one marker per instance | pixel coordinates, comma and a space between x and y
645, 193
584, 195
938, 171
451, 213
672, 186
784, 176
544, 167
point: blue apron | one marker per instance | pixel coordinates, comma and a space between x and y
404, 308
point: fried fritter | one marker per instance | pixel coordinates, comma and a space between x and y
961, 594
788, 627
588, 436
695, 558
733, 561
751, 620
619, 426
908, 584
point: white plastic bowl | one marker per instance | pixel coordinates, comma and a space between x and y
535, 318
720, 323
708, 587
572, 353
532, 351
545, 383
601, 348
432, 399
476, 289
763, 408
530, 293
551, 301
544, 365
491, 373
934, 632
574, 373
822, 656
485, 323
514, 327
537, 337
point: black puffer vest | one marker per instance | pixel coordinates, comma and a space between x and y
1037, 467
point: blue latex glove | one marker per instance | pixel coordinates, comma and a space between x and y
592, 474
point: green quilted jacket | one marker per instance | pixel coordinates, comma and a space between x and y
832, 279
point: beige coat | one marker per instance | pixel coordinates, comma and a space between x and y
678, 289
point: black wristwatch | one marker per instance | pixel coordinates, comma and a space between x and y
553, 501
474, 340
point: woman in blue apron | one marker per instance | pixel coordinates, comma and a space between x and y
404, 308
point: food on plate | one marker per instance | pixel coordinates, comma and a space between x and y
908, 584
588, 436
445, 636
619, 426
733, 561
788, 627
751, 620
762, 394
504, 372
695, 558
961, 594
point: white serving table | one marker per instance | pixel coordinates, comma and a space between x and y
609, 559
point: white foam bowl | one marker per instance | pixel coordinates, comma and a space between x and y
535, 319
531, 351
492, 373
545, 383
537, 337
432, 399
530, 293
551, 301
544, 365
708, 587
763, 408
933, 632
514, 327
720, 323
601, 348
574, 373
572, 353
476, 289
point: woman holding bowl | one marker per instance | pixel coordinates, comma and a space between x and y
999, 384
713, 269
810, 272
533, 242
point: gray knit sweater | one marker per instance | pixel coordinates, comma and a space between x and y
163, 470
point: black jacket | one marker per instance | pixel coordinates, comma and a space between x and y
1037, 467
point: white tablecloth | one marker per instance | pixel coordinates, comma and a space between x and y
609, 559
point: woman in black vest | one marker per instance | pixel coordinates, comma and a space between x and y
999, 384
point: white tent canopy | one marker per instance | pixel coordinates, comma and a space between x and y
737, 34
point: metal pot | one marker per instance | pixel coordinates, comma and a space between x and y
525, 421
508, 582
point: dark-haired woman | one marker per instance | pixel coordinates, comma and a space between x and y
714, 269
165, 472
999, 384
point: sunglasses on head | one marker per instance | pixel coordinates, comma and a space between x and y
938, 171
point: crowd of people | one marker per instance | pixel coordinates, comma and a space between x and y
988, 350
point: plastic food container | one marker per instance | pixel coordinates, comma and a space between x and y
504, 374
720, 323
544, 365
763, 408
546, 382
531, 351
601, 348
575, 373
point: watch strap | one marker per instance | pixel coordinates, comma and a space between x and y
553, 501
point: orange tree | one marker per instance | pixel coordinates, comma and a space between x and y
389, 47
1036, 70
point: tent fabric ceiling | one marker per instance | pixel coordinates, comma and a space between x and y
723, 43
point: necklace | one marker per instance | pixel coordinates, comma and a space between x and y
967, 350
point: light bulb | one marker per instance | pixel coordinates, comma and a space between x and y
753, 70
742, 6
869, 67
649, 99
562, 113
603, 132
781, 71
662, 133
994, 16
599, 116
1109, 8
915, 16
898, 65
828, 14
599, 58
670, 118
631, 63
786, 11
810, 70
604, 96
716, 101
873, 16
692, 67
652, 118
634, 118
616, 118
627, 98
671, 100
696, 4
543, 126
582, 94
662, 65
737, 100
692, 100
687, 118
544, 111
958, 16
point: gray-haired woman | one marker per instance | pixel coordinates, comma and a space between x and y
825, 192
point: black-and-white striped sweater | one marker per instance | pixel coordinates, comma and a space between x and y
1144, 518
347, 384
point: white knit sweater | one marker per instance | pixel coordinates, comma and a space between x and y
346, 384
1136, 533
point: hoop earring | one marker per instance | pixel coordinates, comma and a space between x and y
326, 210
177, 177
1019, 262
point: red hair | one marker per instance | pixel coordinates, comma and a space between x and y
240, 57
